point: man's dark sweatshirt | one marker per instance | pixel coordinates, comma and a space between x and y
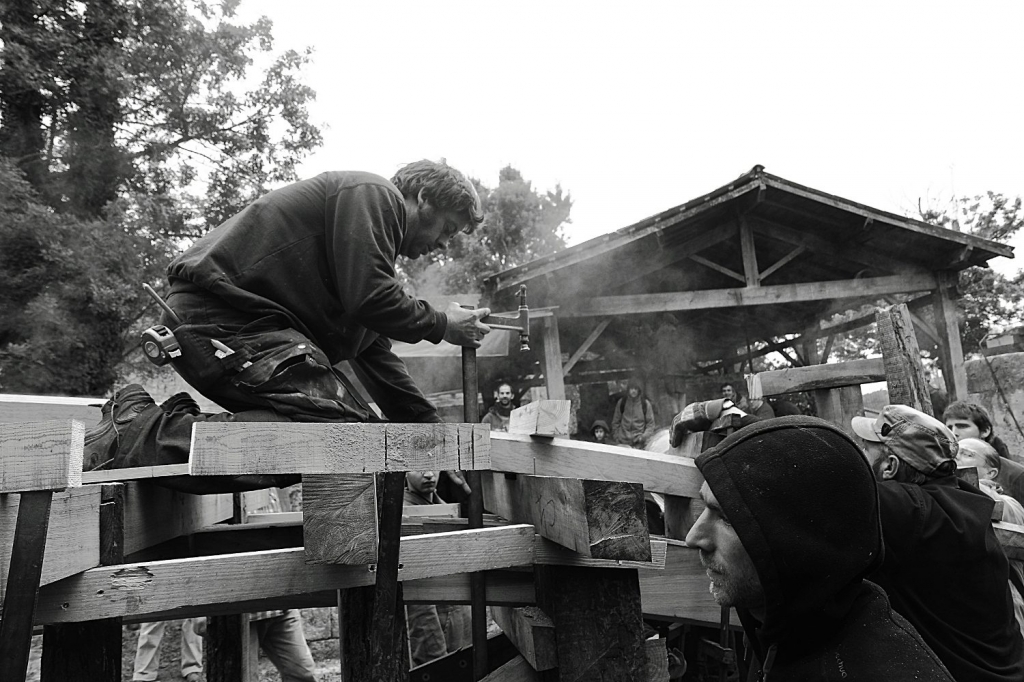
946, 573
319, 256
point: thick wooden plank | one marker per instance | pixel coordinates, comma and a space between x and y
23, 584
339, 518
72, 539
231, 649
532, 633
386, 640
670, 474
133, 473
431, 510
90, 652
553, 378
1011, 536
16, 409
516, 670
599, 519
764, 295
598, 621
41, 455
902, 357
153, 587
680, 592
541, 418
154, 514
550, 553
300, 448
792, 380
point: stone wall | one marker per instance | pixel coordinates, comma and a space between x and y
985, 378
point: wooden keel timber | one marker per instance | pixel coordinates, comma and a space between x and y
233, 449
599, 519
153, 587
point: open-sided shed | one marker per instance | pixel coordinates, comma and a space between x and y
757, 265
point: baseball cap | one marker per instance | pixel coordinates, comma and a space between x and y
920, 440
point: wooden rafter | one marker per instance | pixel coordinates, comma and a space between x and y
750, 271
719, 268
585, 346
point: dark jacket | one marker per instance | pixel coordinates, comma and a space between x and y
802, 500
945, 571
319, 256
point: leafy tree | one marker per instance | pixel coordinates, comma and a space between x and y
130, 126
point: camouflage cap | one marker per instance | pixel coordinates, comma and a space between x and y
920, 440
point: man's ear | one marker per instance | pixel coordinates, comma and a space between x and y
421, 199
890, 465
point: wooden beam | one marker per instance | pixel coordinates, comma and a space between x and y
660, 473
232, 649
550, 553
947, 324
151, 587
541, 418
851, 373
750, 269
17, 409
718, 268
657, 660
41, 455
553, 360
680, 592
774, 267
72, 538
134, 473
339, 518
531, 631
585, 346
670, 255
23, 583
844, 251
504, 588
750, 296
303, 448
902, 356
599, 519
839, 405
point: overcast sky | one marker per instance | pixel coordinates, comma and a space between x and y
635, 107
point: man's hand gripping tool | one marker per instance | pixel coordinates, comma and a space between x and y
519, 323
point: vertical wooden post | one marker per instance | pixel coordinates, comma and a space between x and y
91, 651
839, 405
477, 581
231, 649
553, 360
682, 512
598, 622
951, 347
904, 374
372, 619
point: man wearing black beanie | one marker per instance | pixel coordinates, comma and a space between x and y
790, 531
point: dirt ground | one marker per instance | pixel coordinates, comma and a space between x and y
324, 653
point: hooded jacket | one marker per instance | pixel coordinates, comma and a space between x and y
803, 502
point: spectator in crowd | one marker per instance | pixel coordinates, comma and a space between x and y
434, 630
600, 433
758, 407
944, 569
147, 650
789, 533
501, 410
970, 420
633, 417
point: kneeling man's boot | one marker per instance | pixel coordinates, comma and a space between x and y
102, 440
